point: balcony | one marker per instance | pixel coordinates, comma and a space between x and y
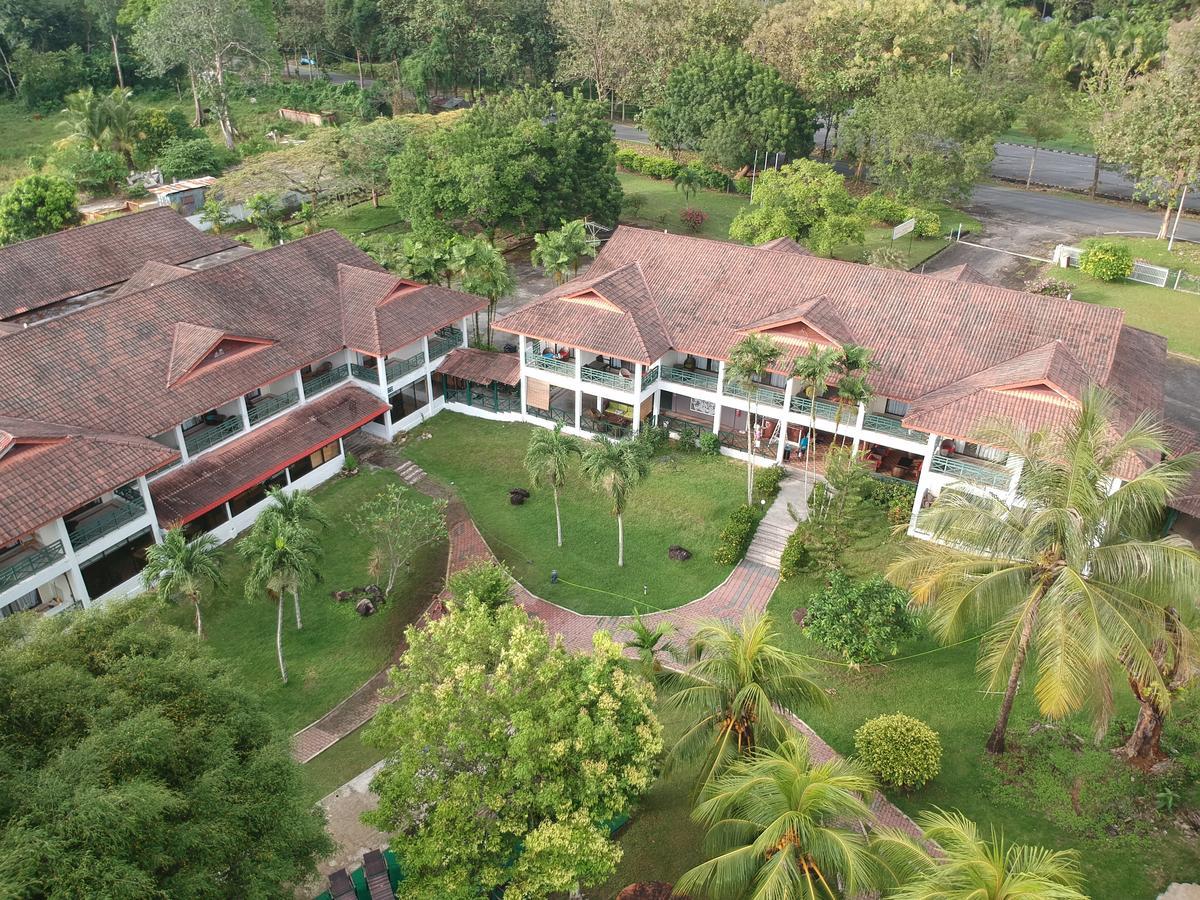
697, 378
762, 393
606, 378
269, 404
369, 374
209, 435
105, 519
326, 380
891, 425
28, 560
649, 377
826, 409
974, 471
564, 367
445, 340
398, 368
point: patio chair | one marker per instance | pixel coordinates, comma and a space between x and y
340, 886
379, 886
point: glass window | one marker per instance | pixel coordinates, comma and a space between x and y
895, 408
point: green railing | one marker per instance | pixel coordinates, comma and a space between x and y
682, 427
550, 415
445, 340
129, 492
200, 442
31, 564
326, 380
480, 397
889, 425
270, 404
763, 393
649, 377
365, 373
608, 379
606, 428
696, 378
551, 364
975, 472
398, 368
826, 409
107, 523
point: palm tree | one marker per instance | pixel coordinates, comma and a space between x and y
687, 182
615, 468
123, 124
852, 390
488, 275
178, 567
853, 364
749, 358
576, 243
283, 559
1177, 659
86, 118
1071, 570
647, 641
971, 868
550, 252
732, 690
547, 460
814, 370
782, 827
296, 508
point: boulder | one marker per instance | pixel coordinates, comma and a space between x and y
364, 607
342, 596
677, 552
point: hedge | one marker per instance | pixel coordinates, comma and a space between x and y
736, 536
900, 751
663, 168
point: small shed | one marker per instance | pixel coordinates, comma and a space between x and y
315, 119
482, 378
187, 195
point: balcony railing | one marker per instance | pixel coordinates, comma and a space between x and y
565, 367
363, 373
326, 380
551, 415
270, 404
607, 379
398, 368
606, 428
198, 443
112, 519
649, 377
697, 378
889, 425
969, 470
445, 340
483, 398
31, 564
826, 409
763, 393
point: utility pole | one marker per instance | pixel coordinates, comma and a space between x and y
1178, 213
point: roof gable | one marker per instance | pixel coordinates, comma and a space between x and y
197, 347
815, 321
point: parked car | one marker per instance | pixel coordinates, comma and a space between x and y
307, 61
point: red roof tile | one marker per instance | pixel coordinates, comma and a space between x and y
482, 366
150, 275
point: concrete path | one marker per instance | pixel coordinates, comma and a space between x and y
777, 525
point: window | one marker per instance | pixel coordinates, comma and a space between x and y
116, 565
410, 398
895, 408
325, 454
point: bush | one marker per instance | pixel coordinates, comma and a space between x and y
896, 498
658, 167
633, 203
159, 127
797, 556
1106, 260
693, 219
929, 223
864, 621
767, 481
192, 158
651, 438
349, 463
37, 205
1049, 287
710, 444
93, 171
47, 78
736, 536
488, 582
900, 751
879, 207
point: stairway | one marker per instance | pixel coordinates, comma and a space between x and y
410, 472
777, 525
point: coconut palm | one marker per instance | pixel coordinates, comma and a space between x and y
297, 508
123, 124
576, 243
85, 119
488, 275
178, 568
550, 252
749, 358
283, 559
782, 827
687, 182
852, 390
853, 364
813, 370
547, 460
1176, 656
1070, 571
615, 468
971, 868
647, 641
731, 691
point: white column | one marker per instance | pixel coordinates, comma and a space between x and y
657, 403
74, 575
858, 425
637, 397
578, 406
144, 489
1017, 464
720, 393
425, 348
465, 320
299, 385
383, 380
783, 420
521, 383
930, 447
183, 453
244, 410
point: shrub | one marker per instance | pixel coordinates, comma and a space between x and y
887, 257
797, 556
900, 751
658, 167
1106, 260
767, 481
864, 621
633, 203
742, 186
37, 205
192, 158
693, 219
488, 582
159, 127
93, 171
349, 463
47, 78
736, 536
879, 207
929, 223
1050, 287
710, 444
651, 439
896, 498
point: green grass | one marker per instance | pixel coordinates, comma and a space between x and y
1075, 139
337, 651
353, 221
346, 759
686, 500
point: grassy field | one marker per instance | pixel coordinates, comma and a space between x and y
346, 759
337, 650
1075, 139
686, 500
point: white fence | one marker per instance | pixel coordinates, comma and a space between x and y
1066, 256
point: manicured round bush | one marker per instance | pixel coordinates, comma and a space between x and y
929, 223
693, 219
879, 207
900, 751
1106, 260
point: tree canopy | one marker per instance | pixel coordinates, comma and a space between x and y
806, 201
37, 205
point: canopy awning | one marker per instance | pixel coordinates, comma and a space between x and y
482, 366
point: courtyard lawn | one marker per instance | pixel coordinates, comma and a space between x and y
345, 760
686, 500
361, 218
337, 650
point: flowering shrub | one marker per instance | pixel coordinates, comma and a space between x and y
1106, 260
693, 219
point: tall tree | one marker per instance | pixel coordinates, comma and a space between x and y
104, 13
548, 460
813, 370
732, 690
1071, 571
366, 150
782, 826
179, 568
551, 253
399, 524
615, 468
137, 764
525, 804
749, 359
488, 274
853, 365
85, 119
352, 25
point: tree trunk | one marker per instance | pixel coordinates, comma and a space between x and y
199, 625
279, 638
1166, 223
221, 104
1032, 163
558, 517
198, 116
1095, 178
7, 70
296, 603
620, 540
375, 197
358, 60
117, 61
750, 450
1144, 747
995, 742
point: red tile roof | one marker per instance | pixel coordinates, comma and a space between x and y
48, 269
963, 272
48, 470
209, 480
482, 366
787, 245
149, 275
